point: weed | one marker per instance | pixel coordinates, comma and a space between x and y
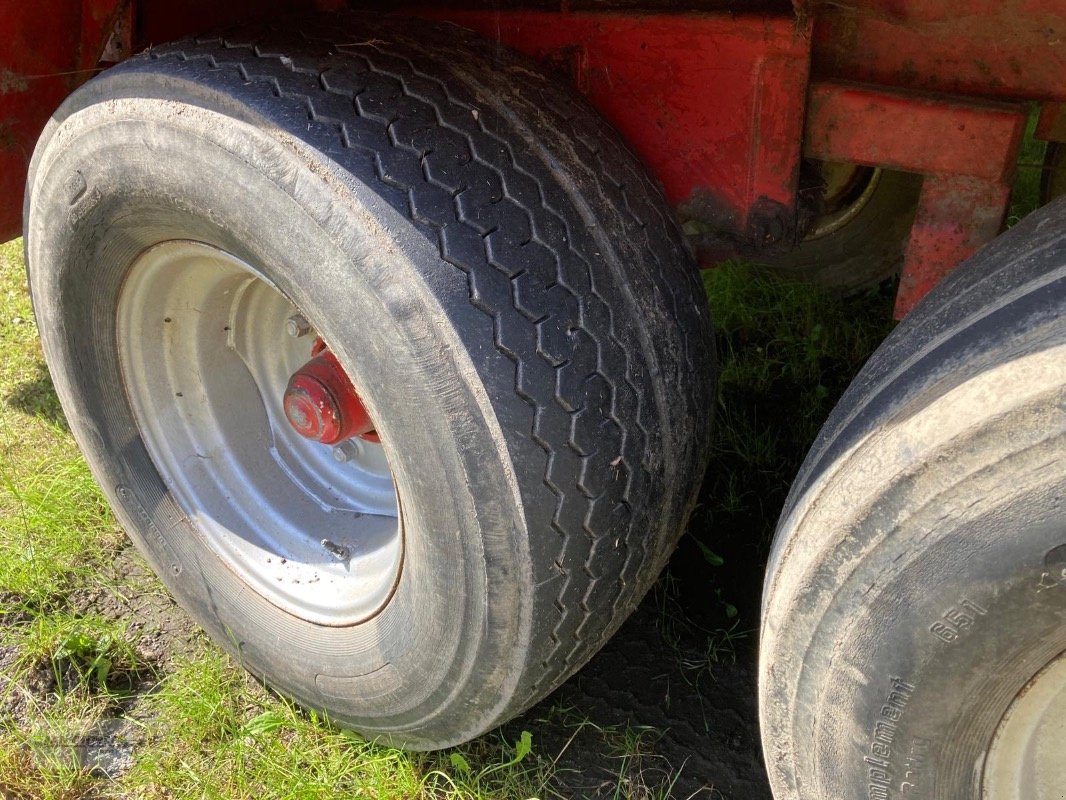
1026, 193
720, 645
506, 773
95, 651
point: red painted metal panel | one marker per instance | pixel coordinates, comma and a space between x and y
53, 46
713, 104
914, 133
47, 52
1013, 49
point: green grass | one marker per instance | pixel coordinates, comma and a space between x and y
55, 530
221, 735
787, 352
1032, 160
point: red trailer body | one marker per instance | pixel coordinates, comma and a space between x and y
721, 106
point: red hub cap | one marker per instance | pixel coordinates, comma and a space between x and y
321, 403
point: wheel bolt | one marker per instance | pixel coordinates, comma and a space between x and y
297, 326
346, 451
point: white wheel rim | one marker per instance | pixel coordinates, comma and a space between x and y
1027, 760
205, 358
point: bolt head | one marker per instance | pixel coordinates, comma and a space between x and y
297, 326
345, 451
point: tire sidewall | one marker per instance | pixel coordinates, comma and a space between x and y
944, 642
892, 650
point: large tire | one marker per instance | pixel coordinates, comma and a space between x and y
917, 583
496, 274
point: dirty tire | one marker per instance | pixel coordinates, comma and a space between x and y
918, 577
494, 270
863, 252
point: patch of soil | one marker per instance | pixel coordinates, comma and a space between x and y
163, 632
22, 690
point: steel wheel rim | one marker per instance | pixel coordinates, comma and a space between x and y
1026, 760
205, 357
845, 211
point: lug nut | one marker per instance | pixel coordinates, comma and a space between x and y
297, 326
346, 451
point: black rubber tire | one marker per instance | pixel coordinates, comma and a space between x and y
917, 580
863, 252
499, 276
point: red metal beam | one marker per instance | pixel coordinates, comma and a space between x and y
914, 133
1010, 49
956, 216
966, 149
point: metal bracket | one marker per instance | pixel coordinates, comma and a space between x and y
967, 150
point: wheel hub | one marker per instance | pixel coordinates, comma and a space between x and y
321, 403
